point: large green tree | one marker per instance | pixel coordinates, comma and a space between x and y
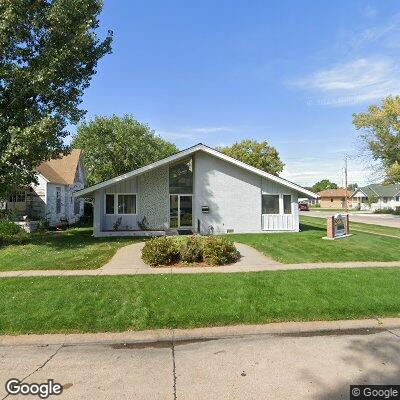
324, 184
48, 53
380, 127
257, 154
115, 145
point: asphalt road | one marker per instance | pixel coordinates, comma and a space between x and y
264, 366
375, 219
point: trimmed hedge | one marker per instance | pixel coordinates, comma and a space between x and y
166, 250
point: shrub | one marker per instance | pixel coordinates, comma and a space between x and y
43, 225
219, 251
213, 250
191, 249
162, 250
10, 232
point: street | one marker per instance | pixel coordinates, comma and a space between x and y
291, 365
375, 219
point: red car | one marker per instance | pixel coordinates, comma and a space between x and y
303, 207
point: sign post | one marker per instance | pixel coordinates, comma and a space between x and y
337, 227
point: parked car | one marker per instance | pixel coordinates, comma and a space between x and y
303, 207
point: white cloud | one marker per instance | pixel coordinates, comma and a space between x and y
386, 35
354, 82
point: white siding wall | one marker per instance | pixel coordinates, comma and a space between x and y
128, 222
280, 222
70, 201
51, 215
232, 194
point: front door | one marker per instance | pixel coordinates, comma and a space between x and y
180, 211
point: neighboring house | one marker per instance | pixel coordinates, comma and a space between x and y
334, 198
52, 197
376, 197
198, 189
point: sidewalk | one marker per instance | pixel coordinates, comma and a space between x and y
302, 360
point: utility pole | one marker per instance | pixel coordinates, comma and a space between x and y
346, 185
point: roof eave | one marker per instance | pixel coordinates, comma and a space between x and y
185, 153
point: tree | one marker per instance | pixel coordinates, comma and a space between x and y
380, 127
324, 184
48, 53
352, 187
115, 145
257, 154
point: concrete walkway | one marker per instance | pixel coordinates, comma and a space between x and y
127, 261
308, 361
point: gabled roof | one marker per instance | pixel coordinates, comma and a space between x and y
61, 170
186, 153
334, 193
379, 190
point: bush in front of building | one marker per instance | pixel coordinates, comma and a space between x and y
161, 250
212, 250
191, 249
218, 250
10, 232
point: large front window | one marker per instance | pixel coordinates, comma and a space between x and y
287, 204
270, 203
276, 204
126, 204
181, 177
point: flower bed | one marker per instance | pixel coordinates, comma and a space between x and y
189, 250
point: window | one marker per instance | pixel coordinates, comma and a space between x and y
110, 204
181, 177
58, 200
126, 204
331, 200
397, 198
270, 203
385, 199
17, 197
287, 204
77, 207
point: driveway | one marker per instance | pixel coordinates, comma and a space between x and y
375, 219
290, 365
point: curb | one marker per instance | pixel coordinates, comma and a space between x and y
279, 329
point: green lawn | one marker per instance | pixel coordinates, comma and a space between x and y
71, 249
117, 303
355, 226
308, 245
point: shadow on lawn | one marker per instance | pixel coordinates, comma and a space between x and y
63, 240
304, 227
379, 361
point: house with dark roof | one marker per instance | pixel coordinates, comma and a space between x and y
196, 190
52, 197
376, 197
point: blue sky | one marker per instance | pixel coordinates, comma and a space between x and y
289, 72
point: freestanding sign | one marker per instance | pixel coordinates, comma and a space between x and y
337, 226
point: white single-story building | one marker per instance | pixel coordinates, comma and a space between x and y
376, 197
198, 189
51, 198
